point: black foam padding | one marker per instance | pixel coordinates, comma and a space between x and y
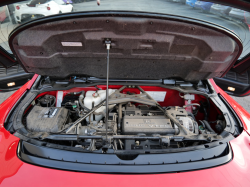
142, 48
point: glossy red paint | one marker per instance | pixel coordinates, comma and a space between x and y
17, 173
10, 164
3, 13
235, 173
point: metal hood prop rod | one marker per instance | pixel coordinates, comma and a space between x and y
107, 43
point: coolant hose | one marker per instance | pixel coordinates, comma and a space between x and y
208, 126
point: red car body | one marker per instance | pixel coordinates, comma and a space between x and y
14, 172
3, 13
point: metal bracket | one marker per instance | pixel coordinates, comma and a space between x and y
168, 81
138, 98
107, 43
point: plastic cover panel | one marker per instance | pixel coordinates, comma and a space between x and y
110, 163
142, 48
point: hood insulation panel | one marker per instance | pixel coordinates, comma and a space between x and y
141, 48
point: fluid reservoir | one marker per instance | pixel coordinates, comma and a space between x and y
92, 99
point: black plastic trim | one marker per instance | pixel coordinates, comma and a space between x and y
241, 88
16, 75
231, 110
110, 163
19, 78
10, 114
6, 59
25, 102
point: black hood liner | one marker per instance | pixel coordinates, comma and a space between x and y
142, 48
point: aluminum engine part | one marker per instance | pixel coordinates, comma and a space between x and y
143, 120
98, 128
187, 123
47, 119
181, 114
147, 125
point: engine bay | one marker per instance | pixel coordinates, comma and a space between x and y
139, 118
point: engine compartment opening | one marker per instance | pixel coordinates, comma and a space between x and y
141, 119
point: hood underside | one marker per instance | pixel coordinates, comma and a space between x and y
141, 48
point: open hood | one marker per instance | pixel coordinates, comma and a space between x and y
143, 46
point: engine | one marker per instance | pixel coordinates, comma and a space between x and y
143, 120
134, 121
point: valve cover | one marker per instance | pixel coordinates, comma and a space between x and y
133, 125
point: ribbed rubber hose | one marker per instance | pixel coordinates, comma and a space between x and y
208, 126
